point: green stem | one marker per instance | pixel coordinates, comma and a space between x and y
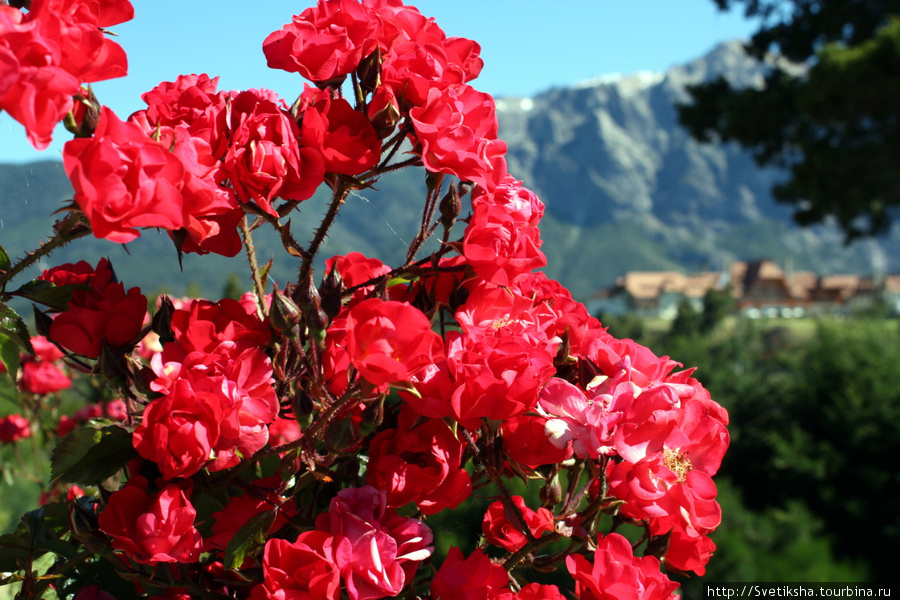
70, 232
258, 285
340, 195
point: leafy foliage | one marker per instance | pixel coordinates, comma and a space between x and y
830, 115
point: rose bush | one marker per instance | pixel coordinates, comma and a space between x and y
314, 440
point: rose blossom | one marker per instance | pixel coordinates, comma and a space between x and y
419, 462
14, 428
151, 529
498, 529
457, 130
389, 341
124, 179
103, 313
473, 578
324, 42
302, 570
265, 160
179, 431
617, 573
345, 137
39, 373
34, 89
377, 550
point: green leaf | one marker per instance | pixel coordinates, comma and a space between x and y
14, 327
5, 264
249, 538
88, 456
15, 552
44, 292
9, 353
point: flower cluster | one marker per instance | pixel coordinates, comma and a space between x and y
47, 53
301, 441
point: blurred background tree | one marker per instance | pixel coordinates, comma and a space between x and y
827, 112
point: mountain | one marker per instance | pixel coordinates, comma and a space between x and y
610, 161
625, 186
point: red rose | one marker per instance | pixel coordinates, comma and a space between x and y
419, 462
34, 89
525, 442
104, 313
457, 130
179, 431
304, 569
618, 573
14, 428
389, 342
473, 578
534, 591
356, 269
190, 100
345, 137
124, 179
496, 377
240, 509
265, 160
418, 55
500, 247
75, 25
664, 489
42, 377
152, 529
324, 42
92, 592
499, 531
203, 325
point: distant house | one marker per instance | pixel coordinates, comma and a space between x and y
654, 293
760, 288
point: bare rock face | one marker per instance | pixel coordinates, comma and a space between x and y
610, 154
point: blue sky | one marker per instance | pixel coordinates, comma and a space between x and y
527, 46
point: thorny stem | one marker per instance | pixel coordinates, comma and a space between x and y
427, 216
290, 244
340, 195
258, 285
512, 511
394, 144
71, 231
399, 270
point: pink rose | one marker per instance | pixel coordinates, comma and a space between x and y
377, 550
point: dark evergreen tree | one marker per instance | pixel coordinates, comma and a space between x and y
830, 115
